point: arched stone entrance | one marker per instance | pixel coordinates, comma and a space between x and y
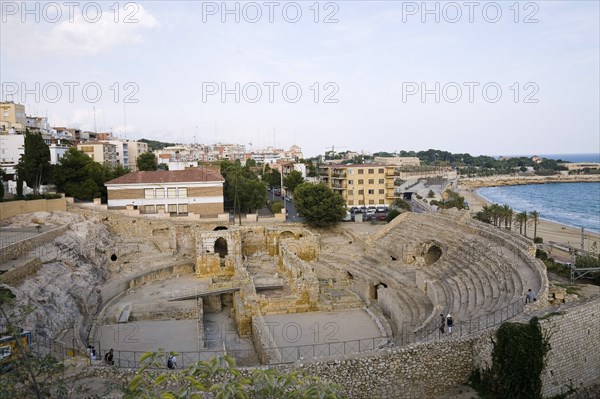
221, 247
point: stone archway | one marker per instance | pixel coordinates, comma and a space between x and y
221, 247
432, 254
219, 228
286, 234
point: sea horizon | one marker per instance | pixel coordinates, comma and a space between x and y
575, 157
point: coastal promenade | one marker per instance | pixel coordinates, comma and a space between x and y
557, 234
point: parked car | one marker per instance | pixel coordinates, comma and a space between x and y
348, 217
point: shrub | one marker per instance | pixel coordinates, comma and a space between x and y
538, 240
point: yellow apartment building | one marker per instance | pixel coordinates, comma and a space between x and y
101, 152
12, 116
361, 184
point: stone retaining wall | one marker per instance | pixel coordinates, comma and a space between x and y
16, 276
12, 208
22, 247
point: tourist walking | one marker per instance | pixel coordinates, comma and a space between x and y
530, 297
108, 358
449, 323
443, 325
172, 362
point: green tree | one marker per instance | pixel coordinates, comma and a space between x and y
430, 194
319, 205
452, 200
19, 188
78, 176
534, 217
220, 376
244, 192
293, 180
392, 215
521, 218
117, 171
146, 161
34, 165
276, 207
162, 166
275, 178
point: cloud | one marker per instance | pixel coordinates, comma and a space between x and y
84, 34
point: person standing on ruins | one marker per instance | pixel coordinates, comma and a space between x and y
530, 296
449, 323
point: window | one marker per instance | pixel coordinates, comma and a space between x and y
160, 208
172, 208
160, 193
349, 171
149, 209
361, 202
381, 170
382, 202
182, 192
371, 202
371, 191
381, 191
361, 192
361, 181
149, 193
183, 208
361, 171
350, 182
381, 181
371, 181
371, 171
171, 193
350, 192
351, 202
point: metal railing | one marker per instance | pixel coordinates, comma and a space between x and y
465, 328
287, 354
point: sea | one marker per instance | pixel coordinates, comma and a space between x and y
591, 157
571, 204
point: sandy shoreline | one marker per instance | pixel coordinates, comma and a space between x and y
559, 235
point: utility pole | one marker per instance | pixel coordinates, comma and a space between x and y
582, 239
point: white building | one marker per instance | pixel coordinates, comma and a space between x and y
122, 148
57, 151
12, 146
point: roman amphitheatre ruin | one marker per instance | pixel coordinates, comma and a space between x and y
273, 294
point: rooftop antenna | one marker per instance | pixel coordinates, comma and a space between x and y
125, 121
95, 130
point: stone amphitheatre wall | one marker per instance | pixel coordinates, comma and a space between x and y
429, 369
161, 274
422, 371
574, 357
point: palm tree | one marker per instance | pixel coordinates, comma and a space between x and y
521, 218
508, 216
534, 216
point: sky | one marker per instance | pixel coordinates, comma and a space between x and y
478, 77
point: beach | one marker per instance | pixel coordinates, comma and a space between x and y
558, 236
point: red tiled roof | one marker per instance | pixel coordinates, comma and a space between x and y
169, 176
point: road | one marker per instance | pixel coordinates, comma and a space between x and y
291, 212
